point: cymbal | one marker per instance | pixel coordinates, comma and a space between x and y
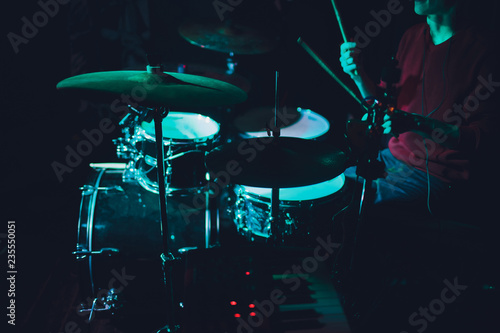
276, 162
256, 119
175, 90
234, 38
211, 72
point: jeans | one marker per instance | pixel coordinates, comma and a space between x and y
403, 183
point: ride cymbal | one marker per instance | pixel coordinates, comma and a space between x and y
226, 38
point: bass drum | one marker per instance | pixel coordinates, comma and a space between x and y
119, 239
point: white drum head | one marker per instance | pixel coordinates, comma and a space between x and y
301, 193
310, 125
184, 126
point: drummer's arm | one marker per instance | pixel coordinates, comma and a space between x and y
365, 85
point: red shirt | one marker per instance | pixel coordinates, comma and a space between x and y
463, 96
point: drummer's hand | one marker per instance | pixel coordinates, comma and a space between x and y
397, 122
350, 59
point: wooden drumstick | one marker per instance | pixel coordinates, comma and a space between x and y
341, 26
327, 69
339, 20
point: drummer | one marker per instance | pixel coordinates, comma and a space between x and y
443, 136
448, 94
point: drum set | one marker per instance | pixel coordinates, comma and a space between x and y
180, 176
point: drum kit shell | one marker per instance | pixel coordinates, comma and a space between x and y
275, 176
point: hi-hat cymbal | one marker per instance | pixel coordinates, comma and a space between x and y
175, 90
226, 38
276, 162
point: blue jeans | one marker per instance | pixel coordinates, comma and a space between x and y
403, 183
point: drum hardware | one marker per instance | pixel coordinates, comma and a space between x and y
275, 191
231, 64
115, 166
88, 189
123, 149
110, 304
82, 254
186, 249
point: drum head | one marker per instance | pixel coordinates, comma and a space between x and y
310, 125
183, 126
301, 193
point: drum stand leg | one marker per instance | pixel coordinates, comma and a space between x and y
212, 221
276, 235
168, 258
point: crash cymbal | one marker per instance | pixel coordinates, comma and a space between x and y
256, 119
175, 90
212, 72
276, 162
226, 38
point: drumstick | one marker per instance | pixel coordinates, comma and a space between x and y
327, 69
339, 20
341, 26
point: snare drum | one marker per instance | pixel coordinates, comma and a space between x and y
310, 125
302, 209
186, 138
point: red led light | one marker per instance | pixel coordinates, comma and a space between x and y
251, 306
233, 303
252, 314
237, 315
247, 273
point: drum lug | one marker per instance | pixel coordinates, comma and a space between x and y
82, 254
109, 303
290, 224
124, 149
129, 174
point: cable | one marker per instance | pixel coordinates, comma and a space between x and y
428, 179
437, 108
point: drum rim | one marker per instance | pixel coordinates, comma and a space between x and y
140, 132
290, 203
152, 186
304, 114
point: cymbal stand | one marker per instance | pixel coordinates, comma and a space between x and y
231, 64
167, 257
277, 238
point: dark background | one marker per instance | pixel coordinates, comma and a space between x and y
38, 122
